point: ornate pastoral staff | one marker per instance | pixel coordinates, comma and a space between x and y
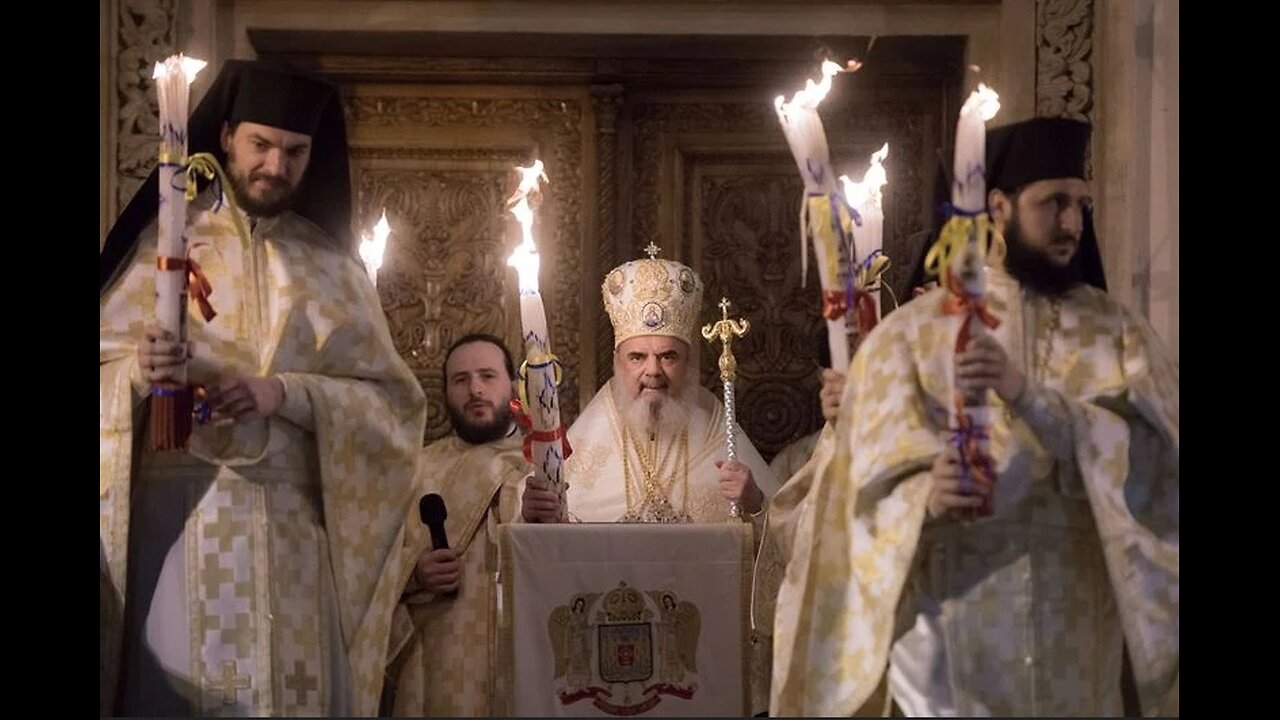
724, 331
825, 216
959, 260
538, 406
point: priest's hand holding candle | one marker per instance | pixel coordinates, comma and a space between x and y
959, 259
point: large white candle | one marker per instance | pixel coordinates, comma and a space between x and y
969, 186
171, 403
173, 90
541, 399
822, 214
967, 268
866, 197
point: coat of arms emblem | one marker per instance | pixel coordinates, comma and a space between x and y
625, 649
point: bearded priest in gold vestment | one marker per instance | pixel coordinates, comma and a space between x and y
258, 567
1026, 612
443, 642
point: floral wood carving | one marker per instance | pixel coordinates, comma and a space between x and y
1064, 55
146, 33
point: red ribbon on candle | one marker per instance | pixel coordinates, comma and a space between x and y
864, 312
545, 436
198, 286
977, 465
834, 303
957, 302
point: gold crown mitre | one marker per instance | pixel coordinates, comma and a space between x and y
652, 297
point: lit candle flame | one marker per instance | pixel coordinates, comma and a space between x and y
188, 66
813, 93
866, 194
983, 101
525, 257
371, 250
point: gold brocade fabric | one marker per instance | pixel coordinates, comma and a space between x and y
1030, 603
285, 571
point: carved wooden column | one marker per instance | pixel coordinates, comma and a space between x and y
1064, 58
144, 31
605, 101
1064, 62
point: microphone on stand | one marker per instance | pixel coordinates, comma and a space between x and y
433, 513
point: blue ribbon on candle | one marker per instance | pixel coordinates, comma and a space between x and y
954, 211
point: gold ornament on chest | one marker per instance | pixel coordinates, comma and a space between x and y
659, 475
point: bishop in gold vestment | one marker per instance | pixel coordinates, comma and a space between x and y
650, 447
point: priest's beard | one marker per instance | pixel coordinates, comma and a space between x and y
1030, 265
481, 433
653, 416
277, 198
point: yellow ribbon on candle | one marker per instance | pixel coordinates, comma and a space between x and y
522, 375
823, 230
207, 165
168, 158
952, 241
869, 274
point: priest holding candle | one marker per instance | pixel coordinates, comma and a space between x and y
1028, 610
538, 406
253, 568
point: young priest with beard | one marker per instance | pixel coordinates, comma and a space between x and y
442, 636
1026, 612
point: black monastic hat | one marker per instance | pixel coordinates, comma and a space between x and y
1024, 152
267, 93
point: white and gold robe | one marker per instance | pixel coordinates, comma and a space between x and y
443, 650
1022, 613
779, 530
260, 567
605, 468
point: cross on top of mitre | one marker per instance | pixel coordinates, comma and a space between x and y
652, 249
